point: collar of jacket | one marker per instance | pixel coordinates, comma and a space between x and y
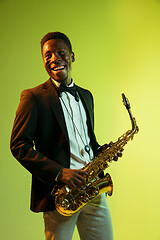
52, 94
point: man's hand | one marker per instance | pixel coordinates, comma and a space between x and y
116, 155
74, 178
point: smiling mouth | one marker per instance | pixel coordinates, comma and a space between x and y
58, 68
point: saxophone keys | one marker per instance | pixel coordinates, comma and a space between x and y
65, 203
96, 191
85, 198
67, 189
74, 205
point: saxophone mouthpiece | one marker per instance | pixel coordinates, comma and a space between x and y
125, 101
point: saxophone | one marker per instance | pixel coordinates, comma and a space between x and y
69, 201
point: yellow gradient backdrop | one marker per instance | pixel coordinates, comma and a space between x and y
117, 49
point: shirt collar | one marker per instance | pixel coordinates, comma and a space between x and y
58, 84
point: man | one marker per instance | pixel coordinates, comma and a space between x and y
53, 137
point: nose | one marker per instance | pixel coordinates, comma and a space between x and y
55, 58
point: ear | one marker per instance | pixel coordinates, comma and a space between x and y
73, 56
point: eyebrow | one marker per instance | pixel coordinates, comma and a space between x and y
47, 52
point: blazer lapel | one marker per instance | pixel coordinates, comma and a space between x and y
88, 105
53, 100
86, 100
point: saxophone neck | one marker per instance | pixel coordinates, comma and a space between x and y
133, 120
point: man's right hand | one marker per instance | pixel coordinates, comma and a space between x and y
74, 178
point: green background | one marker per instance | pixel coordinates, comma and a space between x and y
117, 49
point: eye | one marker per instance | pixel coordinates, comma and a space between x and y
47, 56
61, 53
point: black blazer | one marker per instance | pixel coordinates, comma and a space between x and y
40, 142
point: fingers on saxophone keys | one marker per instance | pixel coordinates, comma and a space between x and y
121, 149
117, 155
78, 179
74, 183
115, 158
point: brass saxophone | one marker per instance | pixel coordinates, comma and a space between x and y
69, 201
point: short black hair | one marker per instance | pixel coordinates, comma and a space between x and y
55, 35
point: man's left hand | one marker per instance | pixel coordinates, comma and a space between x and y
117, 154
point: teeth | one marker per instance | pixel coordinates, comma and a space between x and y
58, 68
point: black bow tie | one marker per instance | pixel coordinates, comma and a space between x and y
71, 90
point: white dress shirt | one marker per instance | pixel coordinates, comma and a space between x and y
76, 122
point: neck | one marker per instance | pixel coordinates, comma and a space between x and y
67, 81
58, 83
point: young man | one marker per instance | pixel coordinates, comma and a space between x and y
53, 137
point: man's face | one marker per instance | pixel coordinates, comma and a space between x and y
57, 60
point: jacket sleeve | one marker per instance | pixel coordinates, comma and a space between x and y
22, 141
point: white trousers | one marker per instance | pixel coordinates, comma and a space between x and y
93, 222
